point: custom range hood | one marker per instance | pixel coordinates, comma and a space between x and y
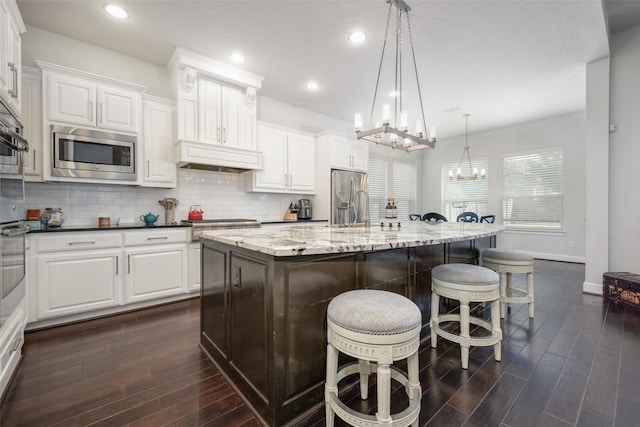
205, 156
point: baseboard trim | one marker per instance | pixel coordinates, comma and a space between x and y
559, 257
592, 288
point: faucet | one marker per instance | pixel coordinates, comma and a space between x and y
365, 218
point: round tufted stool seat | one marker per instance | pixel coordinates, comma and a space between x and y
377, 328
466, 283
506, 262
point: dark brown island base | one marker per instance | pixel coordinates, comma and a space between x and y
265, 294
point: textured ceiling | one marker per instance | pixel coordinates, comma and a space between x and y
503, 62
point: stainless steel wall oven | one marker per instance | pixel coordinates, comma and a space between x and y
12, 210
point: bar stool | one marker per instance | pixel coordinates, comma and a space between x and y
506, 262
466, 283
377, 328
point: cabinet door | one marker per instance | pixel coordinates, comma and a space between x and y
273, 144
194, 266
209, 126
117, 109
230, 116
154, 272
340, 154
249, 330
32, 117
78, 281
214, 297
360, 156
301, 162
14, 65
5, 72
71, 100
160, 169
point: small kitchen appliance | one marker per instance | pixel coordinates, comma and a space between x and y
195, 213
304, 209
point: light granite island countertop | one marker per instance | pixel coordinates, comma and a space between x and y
323, 239
265, 292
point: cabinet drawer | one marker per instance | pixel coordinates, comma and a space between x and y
156, 237
12, 339
78, 241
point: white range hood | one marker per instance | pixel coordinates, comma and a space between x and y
207, 156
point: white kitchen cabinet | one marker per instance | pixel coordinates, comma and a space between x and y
156, 264
219, 113
75, 97
78, 281
11, 342
194, 267
78, 275
159, 139
348, 154
288, 162
32, 119
11, 26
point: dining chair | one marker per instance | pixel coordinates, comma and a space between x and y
434, 217
488, 218
467, 217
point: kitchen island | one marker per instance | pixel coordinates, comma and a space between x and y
265, 294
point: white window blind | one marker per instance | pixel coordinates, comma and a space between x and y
378, 179
404, 188
464, 195
532, 189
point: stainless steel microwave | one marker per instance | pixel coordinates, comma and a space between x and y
84, 153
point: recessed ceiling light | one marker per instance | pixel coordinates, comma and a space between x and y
312, 85
357, 37
237, 57
116, 11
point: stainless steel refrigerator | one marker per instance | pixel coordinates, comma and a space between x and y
349, 197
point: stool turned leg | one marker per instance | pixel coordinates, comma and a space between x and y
330, 385
414, 391
465, 341
495, 326
503, 293
435, 307
365, 370
383, 415
531, 293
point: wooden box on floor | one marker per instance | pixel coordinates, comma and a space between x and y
622, 288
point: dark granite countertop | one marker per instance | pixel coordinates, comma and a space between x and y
65, 228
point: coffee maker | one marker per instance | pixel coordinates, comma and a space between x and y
304, 209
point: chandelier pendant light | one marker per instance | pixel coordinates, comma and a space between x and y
392, 129
473, 172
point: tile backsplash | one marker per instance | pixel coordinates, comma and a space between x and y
220, 195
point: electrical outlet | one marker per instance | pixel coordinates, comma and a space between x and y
570, 243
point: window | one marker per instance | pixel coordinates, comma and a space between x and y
532, 189
403, 186
464, 195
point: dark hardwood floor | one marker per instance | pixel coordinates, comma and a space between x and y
575, 364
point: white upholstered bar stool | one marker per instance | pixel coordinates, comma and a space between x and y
506, 262
466, 283
377, 328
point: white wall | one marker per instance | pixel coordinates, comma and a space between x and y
567, 131
624, 152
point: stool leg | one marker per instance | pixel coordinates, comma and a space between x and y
503, 293
365, 370
414, 391
531, 293
495, 326
384, 395
330, 385
464, 332
435, 307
